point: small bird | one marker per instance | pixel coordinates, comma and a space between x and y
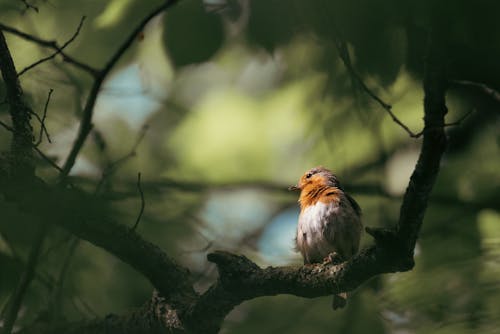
329, 227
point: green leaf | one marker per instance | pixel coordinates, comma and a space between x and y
191, 34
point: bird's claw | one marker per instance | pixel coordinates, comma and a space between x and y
332, 258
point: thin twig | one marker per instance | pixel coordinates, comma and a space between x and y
143, 202
17, 297
113, 167
87, 307
461, 119
86, 122
43, 128
46, 281
56, 246
346, 59
485, 88
29, 6
457, 122
7, 127
47, 159
58, 51
58, 293
42, 155
51, 45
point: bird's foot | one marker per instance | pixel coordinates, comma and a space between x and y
333, 258
339, 301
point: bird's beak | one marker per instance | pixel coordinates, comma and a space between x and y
293, 188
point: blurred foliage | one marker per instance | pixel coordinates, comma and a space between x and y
240, 97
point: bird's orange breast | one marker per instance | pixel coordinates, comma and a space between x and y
313, 193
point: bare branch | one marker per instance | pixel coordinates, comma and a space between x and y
29, 6
22, 141
433, 146
346, 59
43, 129
86, 306
494, 94
143, 203
51, 45
47, 159
6, 126
87, 217
240, 279
455, 123
112, 167
86, 122
58, 51
29, 272
461, 119
57, 293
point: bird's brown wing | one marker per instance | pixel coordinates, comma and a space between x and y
354, 204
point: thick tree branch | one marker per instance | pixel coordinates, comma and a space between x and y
240, 279
87, 218
433, 146
155, 316
21, 163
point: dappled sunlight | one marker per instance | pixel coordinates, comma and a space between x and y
232, 136
220, 106
112, 14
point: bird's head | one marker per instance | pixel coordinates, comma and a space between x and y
317, 176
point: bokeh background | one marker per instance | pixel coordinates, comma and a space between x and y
222, 104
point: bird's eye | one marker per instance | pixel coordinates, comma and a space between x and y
308, 175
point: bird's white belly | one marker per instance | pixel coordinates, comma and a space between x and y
311, 240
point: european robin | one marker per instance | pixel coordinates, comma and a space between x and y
329, 227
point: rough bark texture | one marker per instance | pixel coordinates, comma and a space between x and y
21, 161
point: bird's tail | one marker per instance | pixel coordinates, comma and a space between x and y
339, 301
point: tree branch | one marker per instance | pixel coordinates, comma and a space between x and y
240, 279
21, 163
43, 128
47, 159
423, 178
179, 307
143, 202
494, 94
87, 218
17, 297
346, 59
86, 122
51, 45
29, 6
112, 167
58, 51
